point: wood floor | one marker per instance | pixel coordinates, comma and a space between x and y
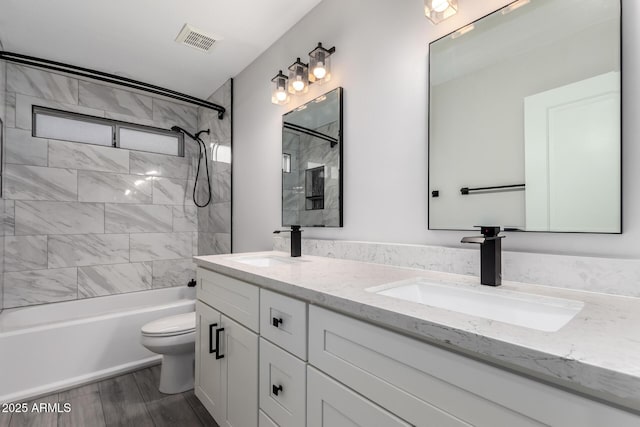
128, 400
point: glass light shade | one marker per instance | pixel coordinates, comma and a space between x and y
320, 64
439, 10
279, 93
298, 77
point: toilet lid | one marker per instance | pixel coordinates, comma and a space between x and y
172, 325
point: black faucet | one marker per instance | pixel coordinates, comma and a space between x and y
296, 239
490, 254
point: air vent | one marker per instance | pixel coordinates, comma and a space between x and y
195, 38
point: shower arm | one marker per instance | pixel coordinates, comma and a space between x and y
195, 137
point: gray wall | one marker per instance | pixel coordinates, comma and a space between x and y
383, 69
71, 231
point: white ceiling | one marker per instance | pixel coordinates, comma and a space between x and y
135, 38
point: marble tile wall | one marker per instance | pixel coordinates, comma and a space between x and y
214, 221
80, 220
3, 129
602, 275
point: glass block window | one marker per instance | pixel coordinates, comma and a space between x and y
68, 126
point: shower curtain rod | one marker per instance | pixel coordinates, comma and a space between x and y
109, 78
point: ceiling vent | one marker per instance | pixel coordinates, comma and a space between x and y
195, 38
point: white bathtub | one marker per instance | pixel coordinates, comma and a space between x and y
58, 346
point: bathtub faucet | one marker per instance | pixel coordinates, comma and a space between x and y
192, 283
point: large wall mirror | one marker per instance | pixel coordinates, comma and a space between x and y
312, 163
524, 119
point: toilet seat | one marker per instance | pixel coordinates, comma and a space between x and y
171, 326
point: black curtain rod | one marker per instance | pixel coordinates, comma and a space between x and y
109, 78
466, 190
311, 132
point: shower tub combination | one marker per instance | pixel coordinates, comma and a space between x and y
57, 346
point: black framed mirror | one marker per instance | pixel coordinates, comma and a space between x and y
525, 119
312, 163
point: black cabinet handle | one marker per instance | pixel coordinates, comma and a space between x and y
218, 355
275, 389
212, 350
276, 321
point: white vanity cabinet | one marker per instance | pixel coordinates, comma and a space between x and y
283, 354
290, 364
226, 377
426, 385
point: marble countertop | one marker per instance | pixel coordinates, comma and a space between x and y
596, 353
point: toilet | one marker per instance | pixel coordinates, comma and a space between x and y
174, 338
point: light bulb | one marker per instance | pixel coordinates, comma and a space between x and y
320, 71
281, 95
439, 5
298, 85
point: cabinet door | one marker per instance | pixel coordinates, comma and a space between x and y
330, 404
208, 381
240, 376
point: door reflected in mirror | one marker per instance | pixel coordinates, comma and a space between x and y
312, 163
524, 119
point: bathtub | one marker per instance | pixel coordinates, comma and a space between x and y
58, 346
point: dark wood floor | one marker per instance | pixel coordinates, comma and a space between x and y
128, 400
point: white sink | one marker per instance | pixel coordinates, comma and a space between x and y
266, 260
543, 313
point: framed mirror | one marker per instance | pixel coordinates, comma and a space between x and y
312, 163
525, 119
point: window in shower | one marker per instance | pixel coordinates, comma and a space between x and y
68, 126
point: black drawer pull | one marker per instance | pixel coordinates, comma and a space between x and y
276, 321
212, 350
275, 389
218, 355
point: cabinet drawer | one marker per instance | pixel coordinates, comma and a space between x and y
283, 386
283, 321
237, 299
426, 385
265, 421
330, 404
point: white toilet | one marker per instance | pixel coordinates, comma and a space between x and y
175, 338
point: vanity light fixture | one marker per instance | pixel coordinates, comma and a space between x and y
279, 93
439, 10
320, 64
301, 75
298, 77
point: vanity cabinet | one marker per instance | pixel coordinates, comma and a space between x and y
283, 354
426, 385
330, 404
226, 375
289, 364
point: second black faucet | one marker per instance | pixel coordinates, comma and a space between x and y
296, 239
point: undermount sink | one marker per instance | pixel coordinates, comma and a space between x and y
543, 313
266, 260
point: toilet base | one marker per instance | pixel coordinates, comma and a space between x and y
177, 373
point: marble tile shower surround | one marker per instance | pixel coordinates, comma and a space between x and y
602, 275
214, 221
3, 102
81, 220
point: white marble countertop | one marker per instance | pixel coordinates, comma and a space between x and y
596, 353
